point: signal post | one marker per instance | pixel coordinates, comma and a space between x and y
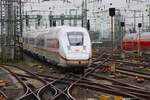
139, 39
112, 14
122, 35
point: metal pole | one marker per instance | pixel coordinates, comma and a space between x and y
82, 14
121, 42
122, 35
85, 13
139, 46
70, 23
21, 30
143, 22
149, 16
1, 39
113, 45
134, 20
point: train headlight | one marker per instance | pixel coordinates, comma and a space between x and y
84, 47
68, 47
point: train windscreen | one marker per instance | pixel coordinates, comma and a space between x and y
75, 38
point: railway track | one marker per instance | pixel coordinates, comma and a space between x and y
3, 96
130, 68
25, 86
87, 83
122, 86
133, 72
126, 61
139, 94
52, 87
129, 63
126, 87
56, 88
131, 94
76, 81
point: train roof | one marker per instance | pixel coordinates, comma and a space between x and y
135, 36
66, 29
145, 35
53, 31
35, 33
129, 36
57, 31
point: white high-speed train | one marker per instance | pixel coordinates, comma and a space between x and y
68, 47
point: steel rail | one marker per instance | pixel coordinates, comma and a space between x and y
26, 89
5, 97
82, 77
43, 80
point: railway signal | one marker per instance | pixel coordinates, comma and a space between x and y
112, 14
139, 47
39, 17
54, 23
88, 25
27, 20
122, 35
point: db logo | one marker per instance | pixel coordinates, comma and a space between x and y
77, 50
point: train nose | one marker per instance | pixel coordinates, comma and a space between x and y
75, 56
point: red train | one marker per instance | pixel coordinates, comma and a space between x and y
130, 42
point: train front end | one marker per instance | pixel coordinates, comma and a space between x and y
75, 48
130, 43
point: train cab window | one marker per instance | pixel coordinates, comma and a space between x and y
26, 40
40, 42
31, 41
145, 36
75, 38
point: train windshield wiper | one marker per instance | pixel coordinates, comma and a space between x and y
78, 44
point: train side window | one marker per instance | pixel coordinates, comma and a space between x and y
40, 42
26, 40
31, 41
37, 42
48, 43
52, 43
57, 44
23, 39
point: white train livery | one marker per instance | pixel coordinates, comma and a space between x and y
68, 47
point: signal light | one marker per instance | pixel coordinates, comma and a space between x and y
88, 24
122, 24
39, 17
54, 23
112, 11
139, 25
27, 20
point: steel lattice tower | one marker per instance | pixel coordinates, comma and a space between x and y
11, 30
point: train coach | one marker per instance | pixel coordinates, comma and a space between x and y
130, 42
65, 46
